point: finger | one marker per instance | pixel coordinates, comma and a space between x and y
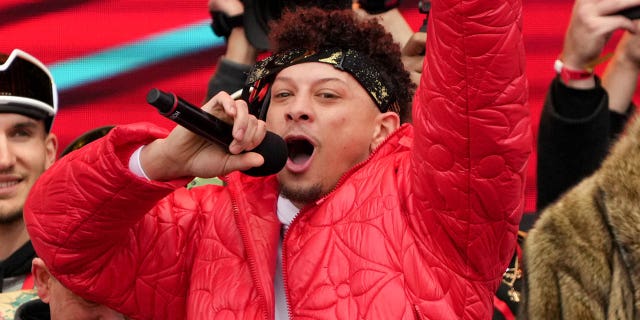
233, 112
255, 134
636, 27
258, 135
416, 44
247, 142
612, 7
241, 119
615, 22
243, 161
413, 63
221, 106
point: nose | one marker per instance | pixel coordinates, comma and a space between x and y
299, 110
7, 157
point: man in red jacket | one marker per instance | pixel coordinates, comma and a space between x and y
368, 219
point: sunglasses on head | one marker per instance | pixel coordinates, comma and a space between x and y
27, 86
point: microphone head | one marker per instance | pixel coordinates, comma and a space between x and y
274, 151
163, 101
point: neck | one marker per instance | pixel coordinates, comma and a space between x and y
12, 236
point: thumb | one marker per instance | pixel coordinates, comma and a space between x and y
243, 161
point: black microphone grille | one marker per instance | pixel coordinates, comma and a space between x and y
274, 151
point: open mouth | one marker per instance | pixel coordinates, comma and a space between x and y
300, 150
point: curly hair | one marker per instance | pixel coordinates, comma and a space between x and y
316, 29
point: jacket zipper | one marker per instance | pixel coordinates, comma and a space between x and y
284, 261
417, 312
252, 264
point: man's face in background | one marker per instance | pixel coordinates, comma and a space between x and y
26, 151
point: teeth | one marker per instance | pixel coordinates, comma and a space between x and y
7, 184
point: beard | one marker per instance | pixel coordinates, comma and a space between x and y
10, 218
302, 195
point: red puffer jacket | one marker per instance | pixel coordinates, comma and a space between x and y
421, 230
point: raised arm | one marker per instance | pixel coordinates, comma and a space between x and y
620, 78
473, 135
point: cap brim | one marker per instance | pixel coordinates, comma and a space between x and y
28, 107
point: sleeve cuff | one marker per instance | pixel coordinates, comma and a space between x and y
135, 166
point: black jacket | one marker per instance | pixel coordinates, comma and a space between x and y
18, 263
574, 135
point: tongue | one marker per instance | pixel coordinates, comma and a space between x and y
300, 158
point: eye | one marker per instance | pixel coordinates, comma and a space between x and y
21, 133
328, 95
282, 94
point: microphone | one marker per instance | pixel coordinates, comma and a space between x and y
273, 148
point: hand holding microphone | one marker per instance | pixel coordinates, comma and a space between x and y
273, 148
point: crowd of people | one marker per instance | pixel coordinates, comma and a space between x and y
401, 197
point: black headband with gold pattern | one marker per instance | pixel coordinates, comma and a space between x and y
379, 86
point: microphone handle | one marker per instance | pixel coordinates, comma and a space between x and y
191, 117
273, 148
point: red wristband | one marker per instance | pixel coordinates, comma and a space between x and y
567, 74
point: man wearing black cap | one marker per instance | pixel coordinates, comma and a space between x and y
28, 105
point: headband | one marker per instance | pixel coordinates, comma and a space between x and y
379, 86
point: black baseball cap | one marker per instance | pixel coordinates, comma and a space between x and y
27, 87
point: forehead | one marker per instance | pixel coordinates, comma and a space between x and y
315, 71
9, 120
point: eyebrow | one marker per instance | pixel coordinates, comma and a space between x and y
321, 80
26, 124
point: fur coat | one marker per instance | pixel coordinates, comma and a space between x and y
581, 257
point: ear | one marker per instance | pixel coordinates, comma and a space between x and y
42, 279
386, 124
51, 146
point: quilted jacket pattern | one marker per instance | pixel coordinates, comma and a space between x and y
421, 230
